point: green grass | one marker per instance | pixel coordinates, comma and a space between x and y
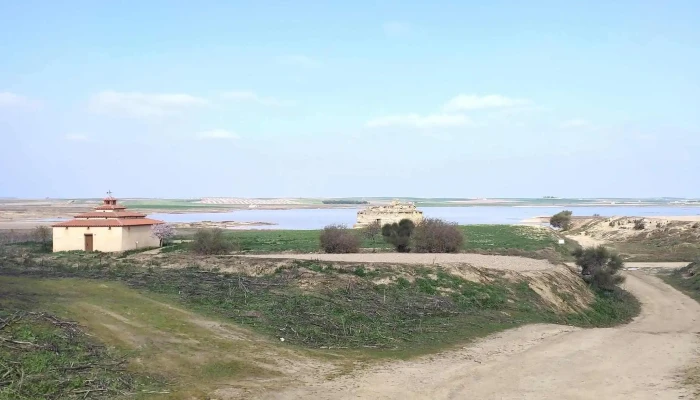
686, 279
348, 309
496, 237
493, 239
43, 357
174, 321
274, 241
608, 309
659, 247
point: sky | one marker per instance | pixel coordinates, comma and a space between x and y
184, 99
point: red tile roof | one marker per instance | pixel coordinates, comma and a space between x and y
113, 214
115, 222
117, 217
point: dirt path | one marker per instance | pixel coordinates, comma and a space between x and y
642, 360
586, 241
476, 260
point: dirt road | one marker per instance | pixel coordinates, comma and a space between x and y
645, 359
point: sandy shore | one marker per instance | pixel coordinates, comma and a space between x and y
689, 218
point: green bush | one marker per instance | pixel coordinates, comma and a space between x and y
210, 241
561, 220
399, 235
600, 267
639, 224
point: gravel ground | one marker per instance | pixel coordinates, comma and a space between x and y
476, 260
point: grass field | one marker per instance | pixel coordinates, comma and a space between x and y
200, 328
43, 356
407, 314
686, 279
491, 239
660, 246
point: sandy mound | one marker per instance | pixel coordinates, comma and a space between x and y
594, 231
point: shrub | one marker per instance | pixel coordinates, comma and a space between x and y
399, 235
561, 220
434, 235
210, 241
600, 267
339, 239
372, 230
639, 224
43, 235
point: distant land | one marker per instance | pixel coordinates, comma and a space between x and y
290, 203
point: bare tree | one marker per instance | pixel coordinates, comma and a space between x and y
163, 232
372, 230
434, 235
42, 234
339, 239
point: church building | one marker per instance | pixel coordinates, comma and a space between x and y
109, 227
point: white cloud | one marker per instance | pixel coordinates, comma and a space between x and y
252, 97
8, 99
420, 121
137, 104
465, 102
396, 29
217, 134
76, 137
300, 61
575, 123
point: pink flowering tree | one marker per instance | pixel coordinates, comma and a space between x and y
163, 232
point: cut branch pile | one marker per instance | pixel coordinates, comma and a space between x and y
42, 356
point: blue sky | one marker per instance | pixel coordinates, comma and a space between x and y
381, 98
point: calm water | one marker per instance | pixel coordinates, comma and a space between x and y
318, 218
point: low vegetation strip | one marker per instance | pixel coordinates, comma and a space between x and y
44, 357
488, 239
356, 306
686, 279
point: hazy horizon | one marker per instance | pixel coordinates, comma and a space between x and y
267, 99
542, 198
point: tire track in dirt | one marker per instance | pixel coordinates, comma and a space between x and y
645, 359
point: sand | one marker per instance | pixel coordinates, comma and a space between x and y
689, 218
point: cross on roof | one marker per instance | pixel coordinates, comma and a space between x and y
109, 193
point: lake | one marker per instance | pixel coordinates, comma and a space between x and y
318, 218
